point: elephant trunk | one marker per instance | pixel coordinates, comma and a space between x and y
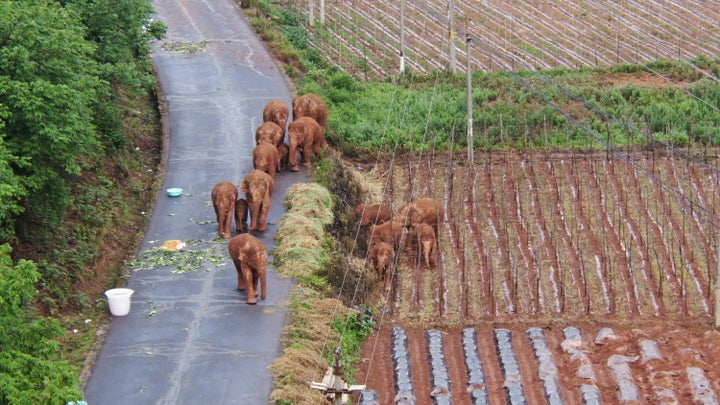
263, 282
254, 213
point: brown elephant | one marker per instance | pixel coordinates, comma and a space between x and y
423, 236
311, 105
269, 132
223, 197
276, 111
389, 232
422, 210
258, 188
241, 214
382, 257
284, 152
266, 158
305, 135
250, 258
374, 214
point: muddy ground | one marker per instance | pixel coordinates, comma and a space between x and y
625, 242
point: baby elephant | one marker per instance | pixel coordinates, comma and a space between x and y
241, 215
375, 214
390, 232
250, 258
382, 257
223, 196
423, 236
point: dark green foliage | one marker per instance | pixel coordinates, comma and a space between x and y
527, 110
61, 65
48, 84
353, 330
65, 66
31, 371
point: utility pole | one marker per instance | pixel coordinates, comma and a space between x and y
717, 288
311, 12
402, 36
322, 12
468, 75
451, 36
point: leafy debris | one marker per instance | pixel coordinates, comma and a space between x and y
196, 255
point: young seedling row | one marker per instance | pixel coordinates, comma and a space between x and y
536, 34
562, 235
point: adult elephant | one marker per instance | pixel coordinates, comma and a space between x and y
266, 158
389, 232
250, 258
311, 105
306, 136
269, 132
258, 188
422, 236
373, 214
276, 111
423, 210
224, 195
382, 257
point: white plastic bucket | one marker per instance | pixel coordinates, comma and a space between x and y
119, 300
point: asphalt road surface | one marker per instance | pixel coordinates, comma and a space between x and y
190, 338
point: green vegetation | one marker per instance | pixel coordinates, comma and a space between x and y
31, 369
303, 249
75, 78
557, 109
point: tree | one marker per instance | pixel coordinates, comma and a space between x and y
31, 371
49, 88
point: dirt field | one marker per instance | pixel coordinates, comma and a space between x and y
556, 241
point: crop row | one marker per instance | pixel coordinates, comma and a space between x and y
536, 34
522, 365
564, 235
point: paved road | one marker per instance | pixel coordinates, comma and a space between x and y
190, 338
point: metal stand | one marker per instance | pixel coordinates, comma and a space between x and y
333, 385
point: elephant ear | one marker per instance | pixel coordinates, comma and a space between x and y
262, 255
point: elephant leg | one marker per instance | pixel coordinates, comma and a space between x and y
220, 221
241, 285
263, 284
227, 225
262, 220
292, 158
251, 290
306, 155
386, 276
254, 213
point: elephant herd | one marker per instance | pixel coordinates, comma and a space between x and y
418, 220
270, 155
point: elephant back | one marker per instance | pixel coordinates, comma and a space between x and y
257, 179
277, 112
269, 132
311, 105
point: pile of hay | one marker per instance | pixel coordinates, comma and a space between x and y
300, 251
307, 337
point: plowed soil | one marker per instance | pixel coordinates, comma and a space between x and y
624, 241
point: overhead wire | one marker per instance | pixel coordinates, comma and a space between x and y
714, 220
